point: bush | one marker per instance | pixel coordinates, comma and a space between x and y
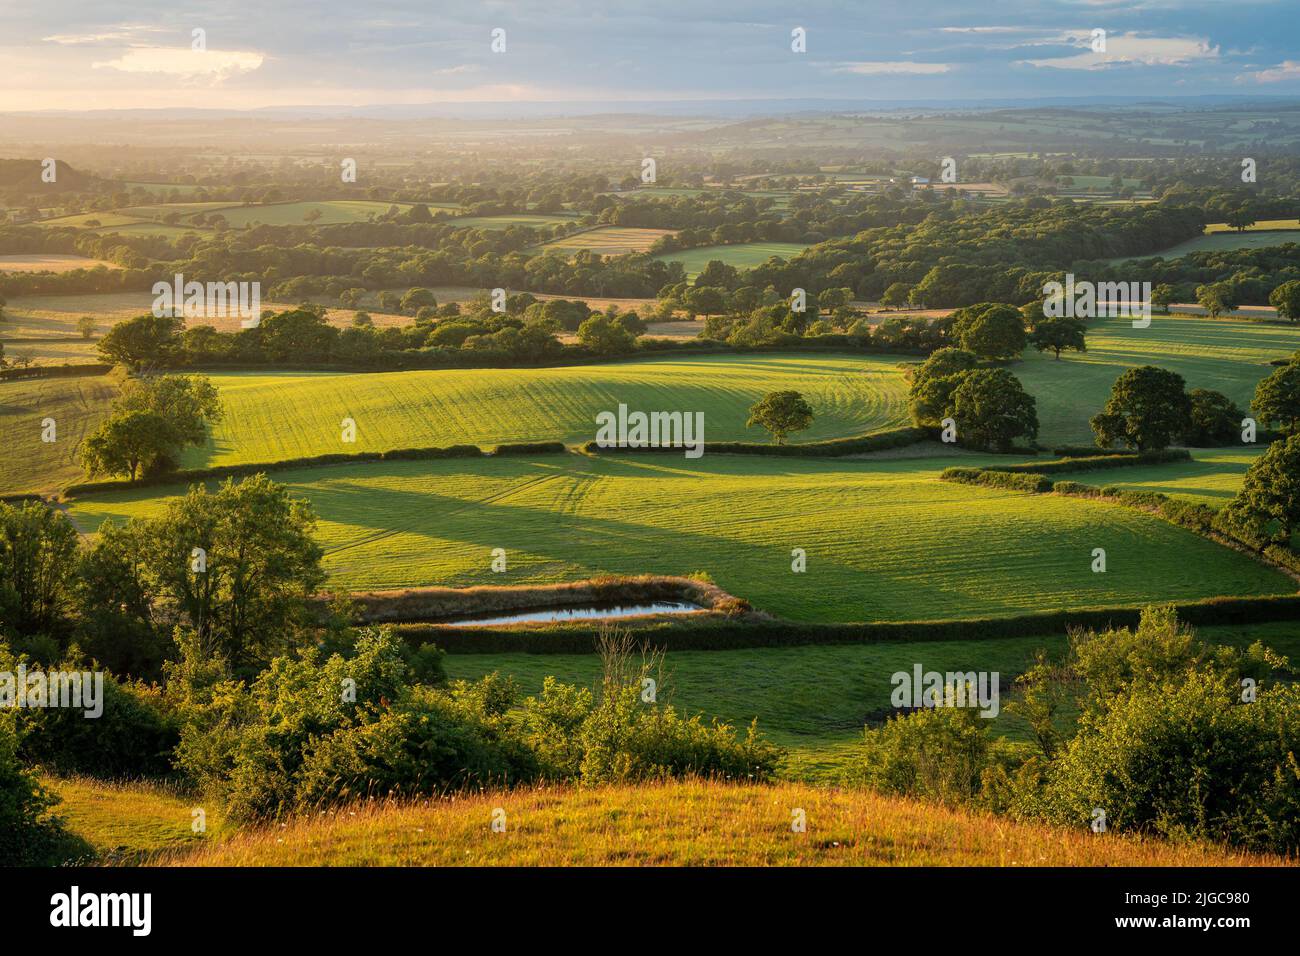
531, 448
29, 834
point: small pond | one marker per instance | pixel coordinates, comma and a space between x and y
585, 612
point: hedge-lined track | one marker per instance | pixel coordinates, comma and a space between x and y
885, 539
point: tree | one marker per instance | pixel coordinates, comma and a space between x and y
143, 341
781, 413
1217, 298
239, 565
993, 330
1277, 399
86, 326
1057, 335
128, 442
1240, 218
606, 335
706, 300
1162, 296
418, 298
934, 381
1268, 505
1147, 409
992, 409
896, 296
38, 549
150, 424
1286, 299
1215, 419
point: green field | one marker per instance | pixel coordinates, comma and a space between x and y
1227, 355
1260, 226
75, 404
885, 538
295, 213
744, 255
1213, 477
533, 220
1220, 242
291, 415
816, 700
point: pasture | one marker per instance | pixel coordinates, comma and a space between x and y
744, 255
1213, 476
76, 404
281, 415
51, 262
1228, 355
610, 240
1219, 242
885, 539
532, 220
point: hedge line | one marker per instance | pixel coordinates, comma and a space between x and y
239, 471
1096, 462
1012, 480
881, 441
717, 632
54, 371
531, 448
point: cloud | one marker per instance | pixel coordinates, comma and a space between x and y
896, 67
1287, 70
216, 65
1128, 49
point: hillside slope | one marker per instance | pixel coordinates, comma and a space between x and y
694, 824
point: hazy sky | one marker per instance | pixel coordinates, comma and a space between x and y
75, 54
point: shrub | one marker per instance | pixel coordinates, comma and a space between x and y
1015, 481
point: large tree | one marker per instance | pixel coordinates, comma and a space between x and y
150, 424
934, 381
1148, 409
1216, 419
781, 413
1277, 399
1268, 505
142, 342
1286, 299
38, 550
1057, 335
992, 330
992, 409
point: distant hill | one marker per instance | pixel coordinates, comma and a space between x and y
24, 175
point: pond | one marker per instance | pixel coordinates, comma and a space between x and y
584, 612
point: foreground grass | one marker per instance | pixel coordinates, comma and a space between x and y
687, 824
130, 822
885, 539
273, 416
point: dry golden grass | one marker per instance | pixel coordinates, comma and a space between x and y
694, 823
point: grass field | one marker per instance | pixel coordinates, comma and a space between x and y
611, 240
1227, 355
295, 213
75, 404
743, 255
691, 823
885, 538
289, 415
814, 701
1261, 225
1213, 477
1220, 242
126, 823
50, 262
535, 220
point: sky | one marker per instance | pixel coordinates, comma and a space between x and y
237, 54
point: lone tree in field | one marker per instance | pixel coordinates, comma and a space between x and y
781, 413
150, 424
1057, 335
1216, 298
1286, 299
992, 330
1277, 399
1162, 296
1268, 506
1148, 409
86, 326
992, 409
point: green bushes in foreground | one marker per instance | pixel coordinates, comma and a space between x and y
318, 729
1174, 738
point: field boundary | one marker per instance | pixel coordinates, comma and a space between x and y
716, 632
